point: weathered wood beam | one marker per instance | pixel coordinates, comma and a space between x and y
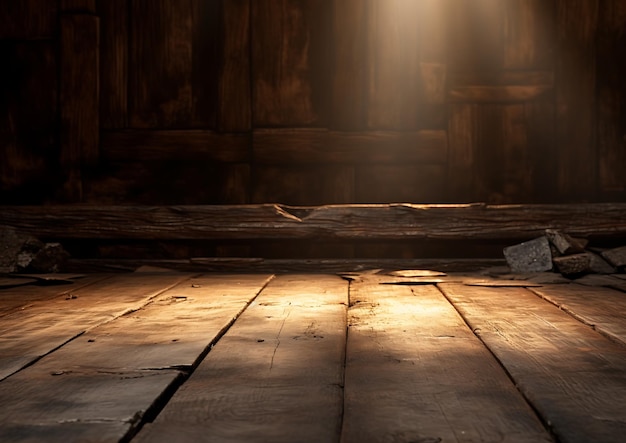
343, 222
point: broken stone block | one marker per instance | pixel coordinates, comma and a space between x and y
531, 256
598, 265
616, 256
51, 258
16, 249
565, 244
573, 264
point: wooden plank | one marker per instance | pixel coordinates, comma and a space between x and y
493, 77
277, 374
415, 372
528, 25
462, 146
161, 64
235, 94
303, 185
195, 145
573, 376
79, 97
575, 99
394, 65
23, 297
289, 53
28, 125
74, 6
400, 183
349, 76
497, 94
611, 96
273, 221
28, 19
601, 308
206, 21
543, 155
475, 39
32, 333
187, 184
275, 146
113, 63
238, 263
113, 375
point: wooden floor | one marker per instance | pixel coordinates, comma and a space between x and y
361, 357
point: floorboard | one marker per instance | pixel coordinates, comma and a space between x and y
574, 377
112, 376
602, 308
276, 376
31, 333
416, 373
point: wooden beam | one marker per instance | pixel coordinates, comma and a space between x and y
340, 222
322, 146
142, 145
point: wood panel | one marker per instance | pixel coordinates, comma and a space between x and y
272, 221
349, 75
276, 375
303, 185
475, 35
82, 6
575, 99
528, 34
305, 146
462, 140
79, 99
114, 35
28, 19
174, 69
573, 376
400, 183
394, 92
113, 375
415, 372
611, 96
290, 60
28, 119
235, 91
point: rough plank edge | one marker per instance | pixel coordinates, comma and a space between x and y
350, 222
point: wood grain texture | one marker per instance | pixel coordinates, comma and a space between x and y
498, 94
32, 333
74, 6
601, 308
573, 376
462, 145
289, 56
286, 146
79, 98
24, 297
114, 32
28, 19
400, 183
611, 96
276, 375
112, 375
415, 372
349, 76
575, 99
303, 185
235, 89
528, 28
28, 121
196, 145
394, 92
272, 221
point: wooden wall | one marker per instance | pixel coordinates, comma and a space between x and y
312, 101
